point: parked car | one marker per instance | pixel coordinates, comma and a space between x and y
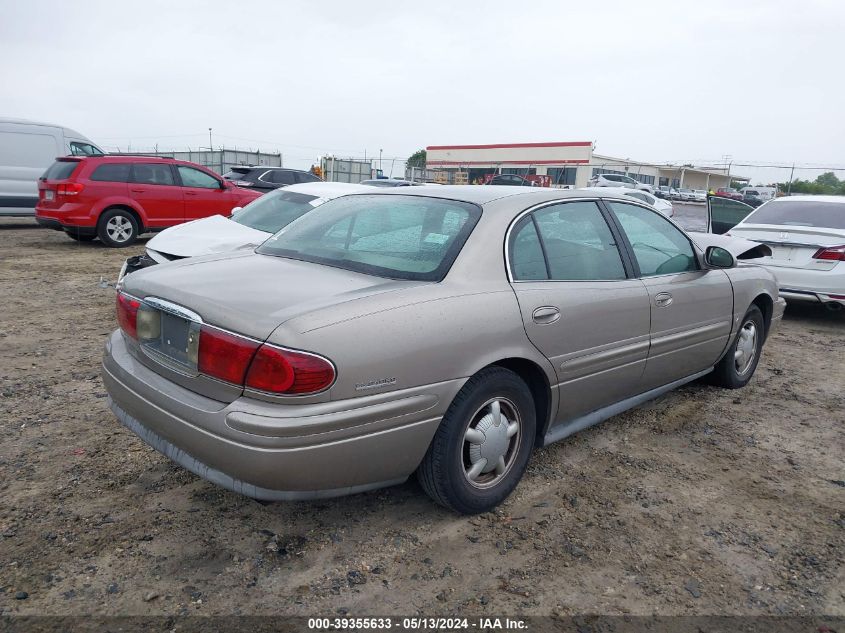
618, 180
247, 227
381, 335
510, 179
389, 182
263, 178
762, 193
699, 195
663, 191
686, 195
729, 192
807, 238
752, 200
27, 148
117, 198
663, 206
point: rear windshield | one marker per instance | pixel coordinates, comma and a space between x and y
274, 211
399, 237
236, 173
60, 170
829, 215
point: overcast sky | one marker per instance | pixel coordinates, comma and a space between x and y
650, 80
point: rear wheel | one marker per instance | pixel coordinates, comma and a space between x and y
738, 365
117, 228
483, 444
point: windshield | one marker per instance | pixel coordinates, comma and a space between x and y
830, 215
274, 211
399, 237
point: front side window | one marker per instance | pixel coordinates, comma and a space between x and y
659, 246
280, 177
274, 211
195, 178
84, 149
399, 237
574, 240
152, 174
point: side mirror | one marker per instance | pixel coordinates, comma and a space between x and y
224, 184
718, 257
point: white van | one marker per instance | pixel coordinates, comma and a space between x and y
764, 193
27, 149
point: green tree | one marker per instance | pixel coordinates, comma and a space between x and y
417, 159
829, 180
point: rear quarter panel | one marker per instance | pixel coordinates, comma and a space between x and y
749, 282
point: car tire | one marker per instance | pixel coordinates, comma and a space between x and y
80, 237
739, 363
117, 228
456, 472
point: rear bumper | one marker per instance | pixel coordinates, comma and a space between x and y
277, 451
777, 315
70, 215
52, 223
814, 286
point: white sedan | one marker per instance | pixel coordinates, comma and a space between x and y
247, 227
807, 238
659, 204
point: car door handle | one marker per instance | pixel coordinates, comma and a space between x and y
545, 315
663, 299
138, 190
190, 193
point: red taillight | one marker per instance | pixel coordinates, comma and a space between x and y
288, 372
69, 189
832, 253
224, 356
127, 314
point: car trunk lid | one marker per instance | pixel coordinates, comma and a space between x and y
792, 246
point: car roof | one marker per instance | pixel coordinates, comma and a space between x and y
836, 199
327, 189
266, 167
483, 194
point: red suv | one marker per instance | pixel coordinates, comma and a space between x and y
116, 198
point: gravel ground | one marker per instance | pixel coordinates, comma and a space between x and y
705, 501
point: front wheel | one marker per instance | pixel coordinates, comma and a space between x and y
740, 361
117, 228
483, 444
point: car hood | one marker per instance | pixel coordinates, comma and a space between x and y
214, 234
736, 246
253, 294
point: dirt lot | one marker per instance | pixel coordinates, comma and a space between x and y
705, 501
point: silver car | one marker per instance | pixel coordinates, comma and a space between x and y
443, 331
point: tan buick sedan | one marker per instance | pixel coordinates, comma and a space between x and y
442, 331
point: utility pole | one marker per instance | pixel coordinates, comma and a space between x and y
210, 146
789, 187
379, 161
729, 160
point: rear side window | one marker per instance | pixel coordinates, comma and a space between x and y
152, 174
114, 172
60, 170
280, 177
578, 243
237, 173
304, 176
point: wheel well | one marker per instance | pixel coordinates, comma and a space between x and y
537, 382
764, 302
125, 208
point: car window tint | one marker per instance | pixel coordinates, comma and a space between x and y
280, 177
578, 243
195, 178
152, 174
659, 246
304, 176
726, 214
60, 170
787, 212
526, 254
404, 237
114, 172
84, 149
